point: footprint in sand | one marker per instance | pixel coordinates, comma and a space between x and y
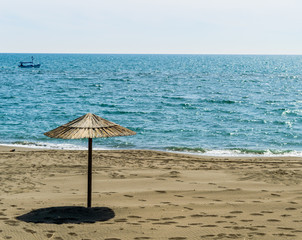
199, 197
286, 229
219, 222
256, 214
246, 220
251, 234
121, 220
267, 212
178, 196
209, 226
207, 236
152, 219
11, 223
73, 234
227, 236
129, 196
49, 235
236, 212
195, 224
138, 224
29, 230
273, 220
182, 226
228, 216
290, 209
165, 223
284, 235
261, 226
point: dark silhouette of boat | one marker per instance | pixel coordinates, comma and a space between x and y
29, 64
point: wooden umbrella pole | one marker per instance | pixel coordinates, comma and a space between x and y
89, 172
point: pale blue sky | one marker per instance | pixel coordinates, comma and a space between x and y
151, 26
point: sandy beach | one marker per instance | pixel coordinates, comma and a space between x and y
140, 194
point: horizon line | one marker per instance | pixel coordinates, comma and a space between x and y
79, 53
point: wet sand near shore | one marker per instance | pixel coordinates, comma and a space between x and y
141, 194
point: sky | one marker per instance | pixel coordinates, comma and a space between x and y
151, 26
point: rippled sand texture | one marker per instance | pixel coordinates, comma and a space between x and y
148, 195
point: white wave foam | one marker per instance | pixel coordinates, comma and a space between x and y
238, 153
52, 146
217, 153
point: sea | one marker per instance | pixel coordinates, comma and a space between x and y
219, 105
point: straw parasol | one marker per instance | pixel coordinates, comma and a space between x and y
89, 126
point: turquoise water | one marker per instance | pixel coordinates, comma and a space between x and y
207, 104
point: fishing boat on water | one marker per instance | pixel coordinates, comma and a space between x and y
29, 64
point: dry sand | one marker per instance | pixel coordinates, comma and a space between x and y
140, 194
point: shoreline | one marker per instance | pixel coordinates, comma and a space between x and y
261, 159
215, 153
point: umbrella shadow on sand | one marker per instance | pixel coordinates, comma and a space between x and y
68, 214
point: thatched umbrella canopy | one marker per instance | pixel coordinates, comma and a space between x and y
89, 126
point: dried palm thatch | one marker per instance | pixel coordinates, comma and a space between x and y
89, 126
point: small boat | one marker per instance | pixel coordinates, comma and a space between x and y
29, 64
